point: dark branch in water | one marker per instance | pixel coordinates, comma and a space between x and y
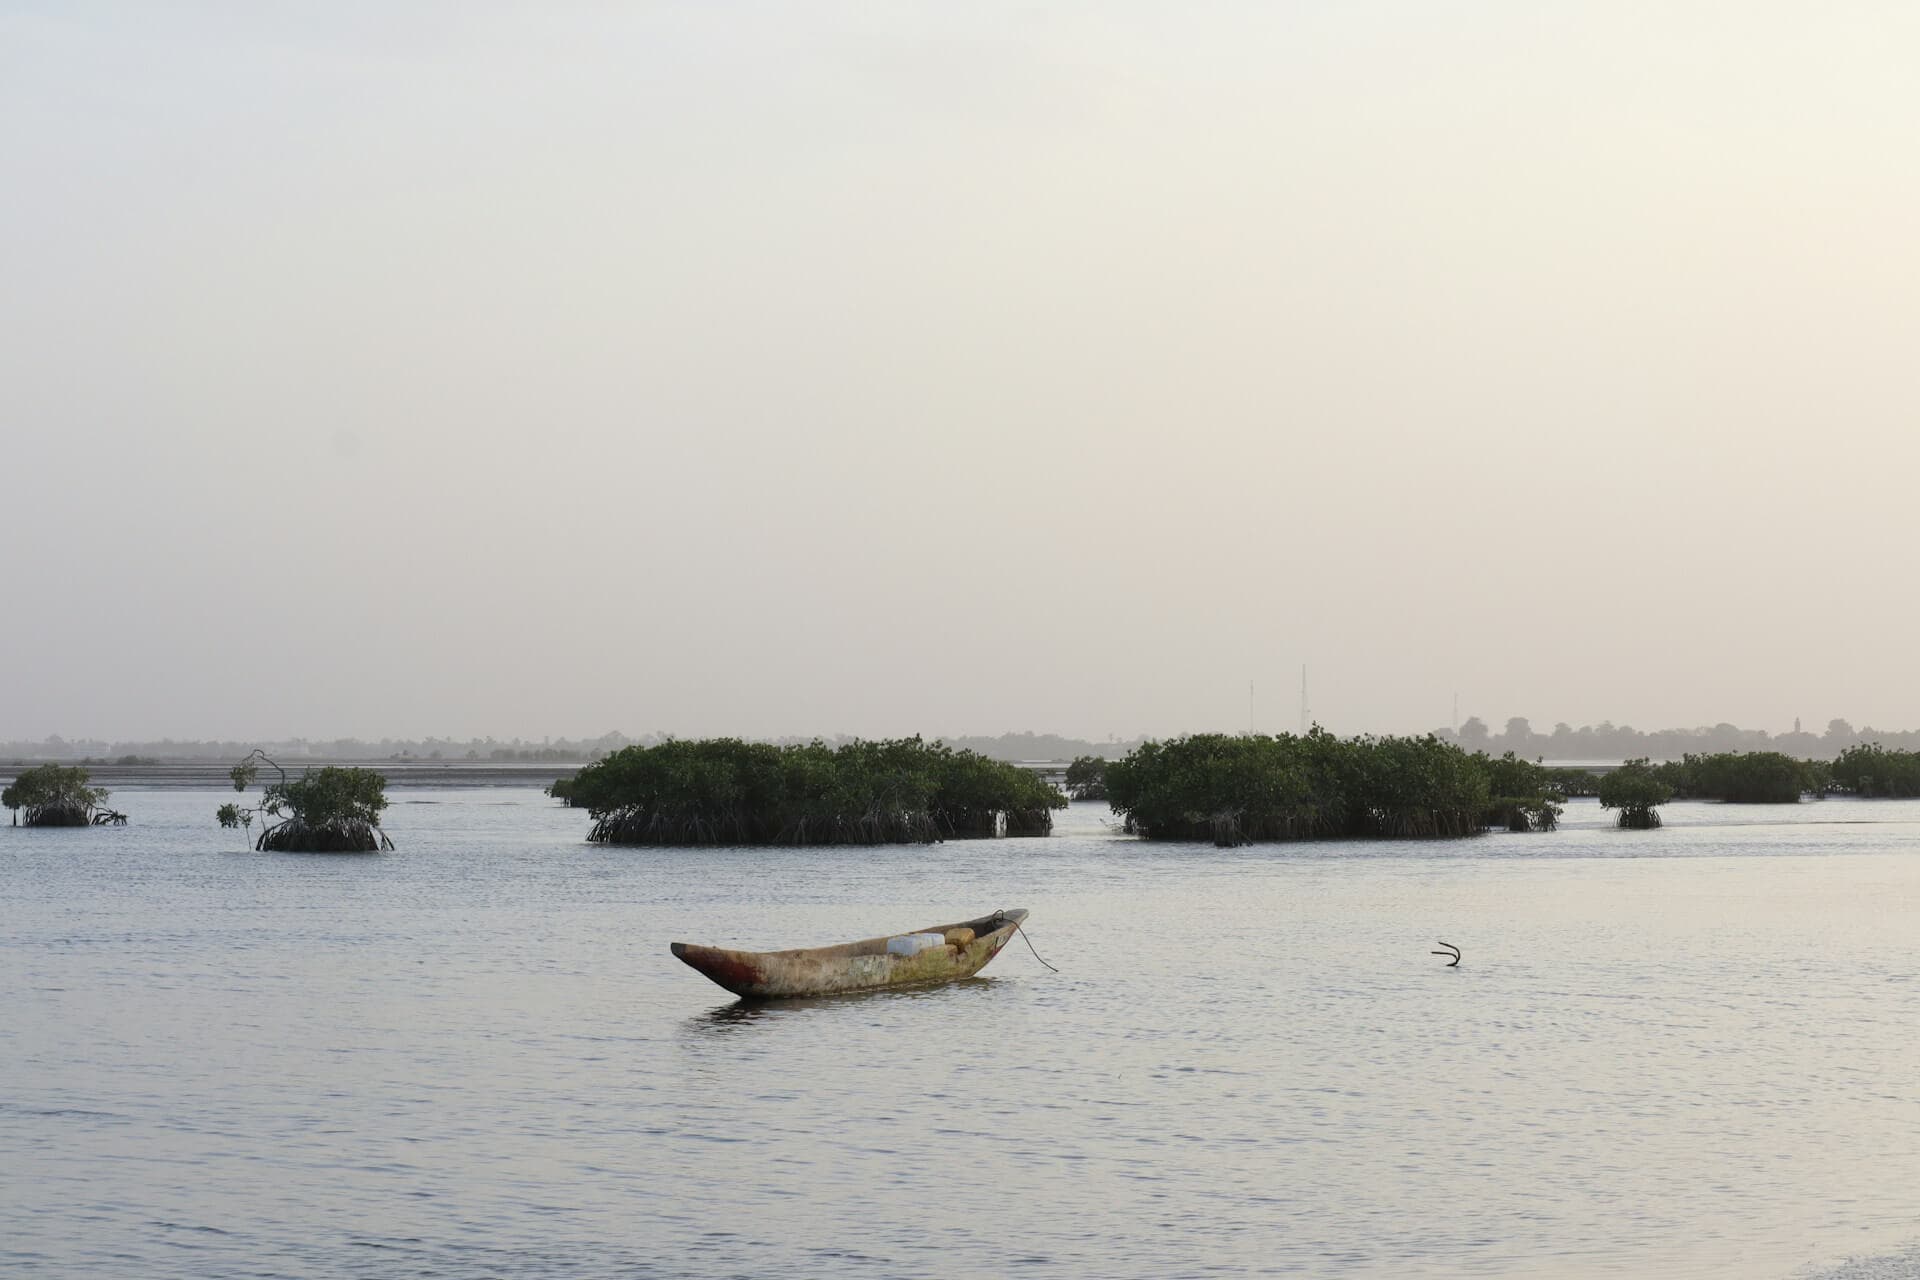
1451, 950
243, 773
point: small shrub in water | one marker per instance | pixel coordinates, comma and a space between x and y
52, 795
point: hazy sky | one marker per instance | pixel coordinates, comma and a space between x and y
523, 369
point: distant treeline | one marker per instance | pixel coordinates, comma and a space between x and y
1601, 742
492, 750
1607, 741
1043, 746
1007, 746
723, 791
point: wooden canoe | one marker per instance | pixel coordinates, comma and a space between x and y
853, 966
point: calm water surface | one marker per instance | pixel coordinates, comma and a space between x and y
1688, 1052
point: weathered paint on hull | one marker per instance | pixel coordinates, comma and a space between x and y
853, 966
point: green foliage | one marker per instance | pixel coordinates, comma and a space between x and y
1743, 777
243, 774
52, 795
1087, 778
1508, 775
726, 791
1242, 788
1523, 795
1870, 769
1635, 789
332, 794
1570, 781
328, 810
561, 789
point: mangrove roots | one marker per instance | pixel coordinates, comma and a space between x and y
296, 836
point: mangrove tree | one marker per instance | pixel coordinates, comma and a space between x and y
1522, 795
1743, 777
1236, 789
1636, 790
52, 795
328, 810
724, 791
1869, 769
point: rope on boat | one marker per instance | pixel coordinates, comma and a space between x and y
1002, 916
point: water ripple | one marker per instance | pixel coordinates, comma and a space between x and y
1681, 1053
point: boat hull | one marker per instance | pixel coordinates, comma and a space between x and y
855, 966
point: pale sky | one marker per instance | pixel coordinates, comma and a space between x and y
524, 369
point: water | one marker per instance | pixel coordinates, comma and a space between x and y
1687, 1052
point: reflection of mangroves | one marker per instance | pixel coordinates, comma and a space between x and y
1242, 788
722, 791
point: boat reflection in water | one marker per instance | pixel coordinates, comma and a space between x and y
748, 1012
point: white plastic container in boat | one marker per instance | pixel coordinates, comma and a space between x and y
912, 944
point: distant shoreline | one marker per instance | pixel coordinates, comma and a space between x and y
213, 775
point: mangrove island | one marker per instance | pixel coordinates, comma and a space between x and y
52, 795
327, 810
1241, 788
723, 791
